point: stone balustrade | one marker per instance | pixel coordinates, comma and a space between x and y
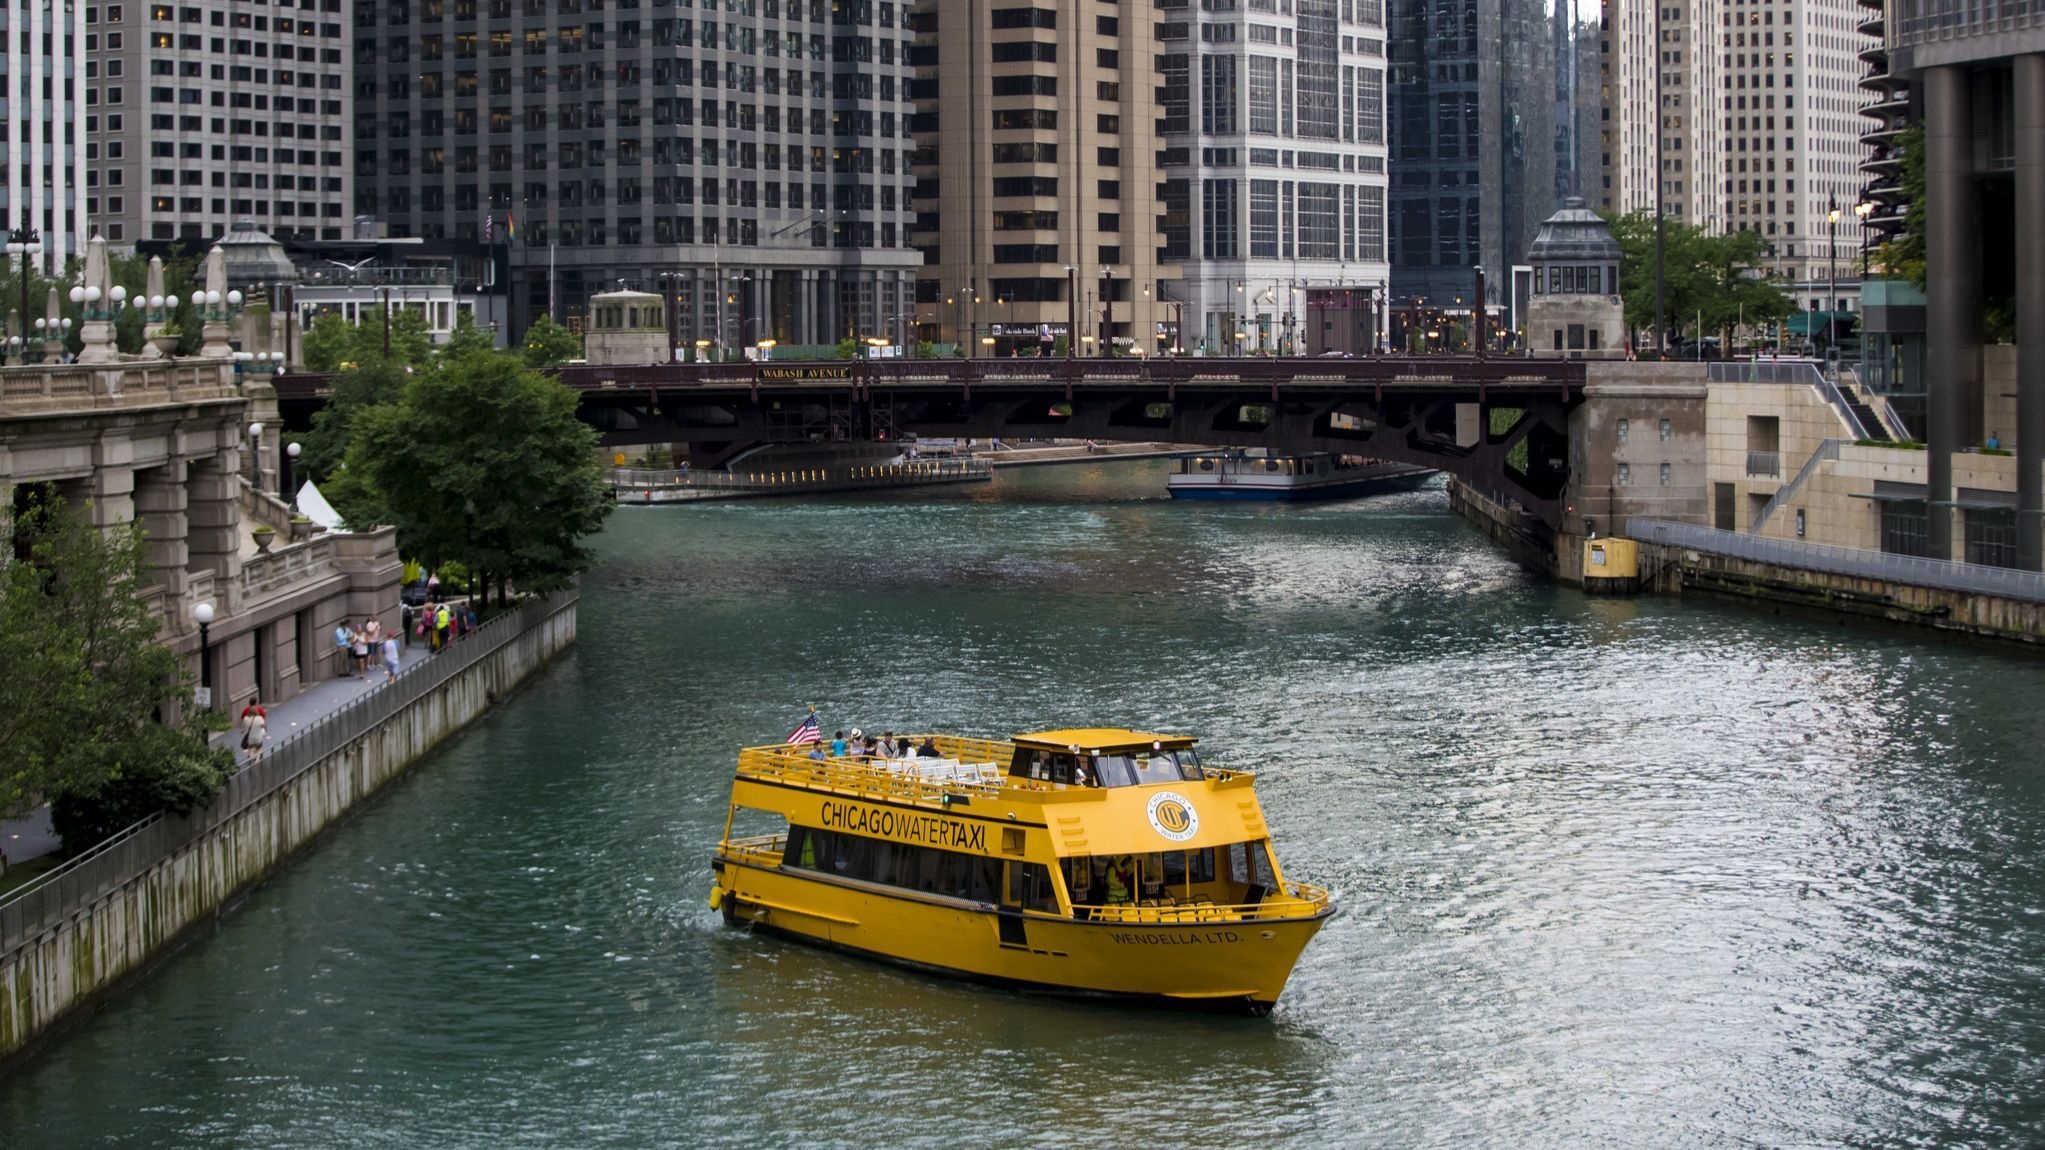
287, 568
74, 388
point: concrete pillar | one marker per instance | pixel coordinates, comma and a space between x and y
113, 496
2030, 240
213, 515
1952, 312
160, 506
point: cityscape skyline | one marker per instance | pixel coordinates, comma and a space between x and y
805, 172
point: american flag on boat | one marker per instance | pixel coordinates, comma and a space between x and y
806, 732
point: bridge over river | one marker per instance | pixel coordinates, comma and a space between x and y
1395, 408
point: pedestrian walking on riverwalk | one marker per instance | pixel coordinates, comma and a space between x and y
390, 659
443, 624
341, 645
255, 729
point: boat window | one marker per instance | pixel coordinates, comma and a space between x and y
1029, 887
1180, 867
1051, 766
951, 873
1138, 768
1251, 863
1161, 876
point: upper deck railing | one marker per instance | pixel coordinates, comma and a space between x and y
857, 776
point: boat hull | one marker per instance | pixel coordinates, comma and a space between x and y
1231, 964
1292, 488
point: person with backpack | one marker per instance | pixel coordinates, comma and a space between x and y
255, 729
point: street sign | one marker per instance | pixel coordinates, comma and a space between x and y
202, 696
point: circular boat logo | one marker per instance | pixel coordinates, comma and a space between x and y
1173, 817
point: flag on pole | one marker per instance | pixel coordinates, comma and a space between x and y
806, 732
489, 228
510, 226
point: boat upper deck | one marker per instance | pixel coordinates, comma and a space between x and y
1051, 767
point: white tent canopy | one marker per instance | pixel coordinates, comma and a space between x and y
315, 507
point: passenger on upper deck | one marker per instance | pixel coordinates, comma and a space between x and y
888, 749
837, 744
929, 748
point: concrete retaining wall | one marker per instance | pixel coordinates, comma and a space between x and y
1527, 539
1958, 613
76, 962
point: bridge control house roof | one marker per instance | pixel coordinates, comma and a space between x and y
1574, 235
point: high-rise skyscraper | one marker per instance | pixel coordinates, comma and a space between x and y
1037, 176
750, 162
1473, 145
1627, 46
1788, 113
210, 111
45, 122
1274, 164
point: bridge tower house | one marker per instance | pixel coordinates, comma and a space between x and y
1575, 311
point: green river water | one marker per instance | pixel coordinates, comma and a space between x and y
1613, 873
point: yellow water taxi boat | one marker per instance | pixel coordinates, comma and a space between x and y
1085, 862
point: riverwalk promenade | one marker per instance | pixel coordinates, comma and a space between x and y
75, 933
31, 837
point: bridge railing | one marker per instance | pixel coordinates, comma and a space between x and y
628, 481
1914, 570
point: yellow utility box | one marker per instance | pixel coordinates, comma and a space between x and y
1611, 566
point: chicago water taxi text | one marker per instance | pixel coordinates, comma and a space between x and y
905, 826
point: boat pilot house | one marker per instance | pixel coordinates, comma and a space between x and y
1050, 860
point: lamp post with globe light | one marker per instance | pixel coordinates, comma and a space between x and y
284, 487
25, 242
255, 454
203, 614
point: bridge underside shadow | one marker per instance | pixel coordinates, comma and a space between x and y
1517, 448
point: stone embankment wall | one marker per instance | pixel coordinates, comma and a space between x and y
1678, 570
1968, 614
73, 964
1528, 540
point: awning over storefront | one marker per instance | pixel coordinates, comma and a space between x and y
1807, 322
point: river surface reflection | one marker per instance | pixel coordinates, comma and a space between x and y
1643, 872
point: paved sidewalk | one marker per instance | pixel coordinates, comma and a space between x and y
320, 700
31, 836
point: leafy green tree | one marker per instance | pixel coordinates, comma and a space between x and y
171, 769
1704, 275
483, 462
548, 343
334, 342
329, 343
466, 338
86, 679
180, 279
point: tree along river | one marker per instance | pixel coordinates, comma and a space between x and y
1614, 873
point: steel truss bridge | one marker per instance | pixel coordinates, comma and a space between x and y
1394, 408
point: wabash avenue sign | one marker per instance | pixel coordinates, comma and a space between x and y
804, 373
